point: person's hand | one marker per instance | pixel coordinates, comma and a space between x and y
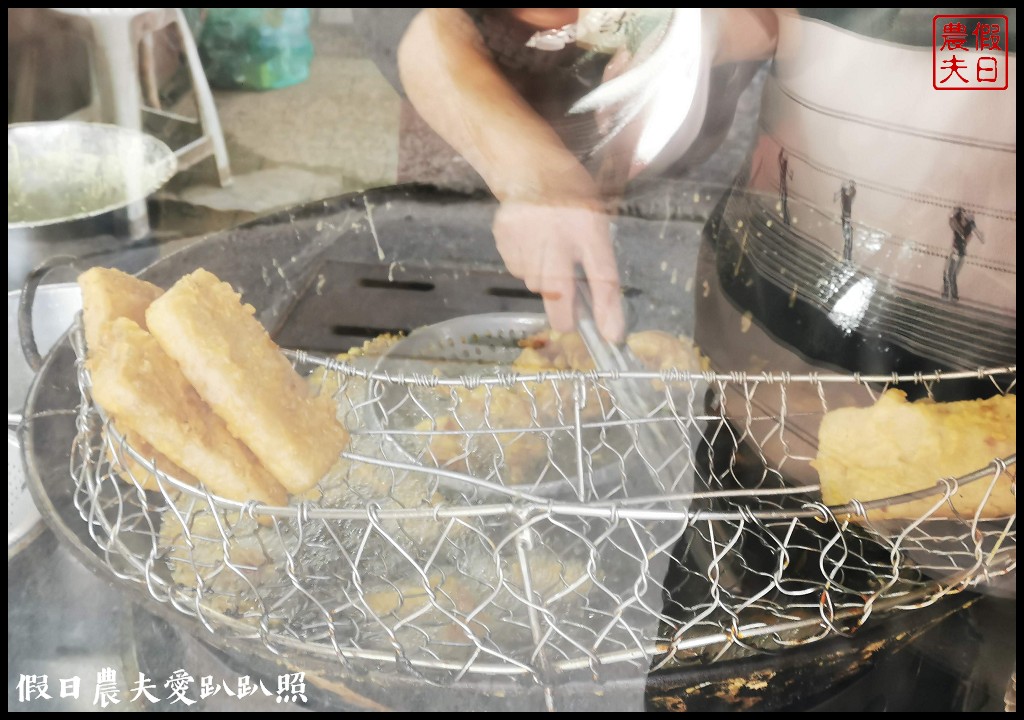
542, 244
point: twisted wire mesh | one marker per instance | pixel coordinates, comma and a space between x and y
512, 525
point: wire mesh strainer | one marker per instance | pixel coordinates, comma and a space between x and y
453, 571
477, 428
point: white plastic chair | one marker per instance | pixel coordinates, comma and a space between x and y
114, 37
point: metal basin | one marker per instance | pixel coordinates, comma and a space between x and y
61, 171
53, 312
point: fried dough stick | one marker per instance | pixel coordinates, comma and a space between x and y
241, 373
135, 381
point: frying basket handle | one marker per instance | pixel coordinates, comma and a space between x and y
26, 335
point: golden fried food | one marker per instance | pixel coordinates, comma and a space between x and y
656, 349
356, 484
437, 607
133, 473
405, 599
525, 404
137, 383
896, 447
519, 455
374, 347
196, 555
510, 432
241, 373
108, 294
552, 350
504, 412
324, 382
661, 351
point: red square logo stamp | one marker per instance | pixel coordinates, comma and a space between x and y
970, 52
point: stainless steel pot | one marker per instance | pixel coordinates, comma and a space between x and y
65, 180
54, 311
62, 171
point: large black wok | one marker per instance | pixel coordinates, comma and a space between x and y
331, 273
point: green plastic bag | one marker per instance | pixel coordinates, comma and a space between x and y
256, 48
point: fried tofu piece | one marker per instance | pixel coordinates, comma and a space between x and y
108, 294
133, 472
896, 447
138, 384
230, 360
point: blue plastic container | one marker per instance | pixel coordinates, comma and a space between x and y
256, 48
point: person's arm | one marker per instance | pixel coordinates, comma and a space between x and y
551, 216
455, 86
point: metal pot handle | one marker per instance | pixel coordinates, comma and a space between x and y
26, 335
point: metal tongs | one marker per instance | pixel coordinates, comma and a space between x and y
639, 401
663, 457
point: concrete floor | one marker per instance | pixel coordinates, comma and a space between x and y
336, 132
